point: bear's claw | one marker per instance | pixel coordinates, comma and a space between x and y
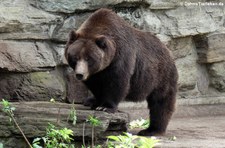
105, 109
101, 108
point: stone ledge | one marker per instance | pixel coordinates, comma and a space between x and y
199, 107
180, 102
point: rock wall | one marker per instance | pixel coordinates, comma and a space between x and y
33, 35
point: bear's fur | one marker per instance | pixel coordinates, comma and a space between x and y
118, 62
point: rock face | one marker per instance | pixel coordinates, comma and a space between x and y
33, 35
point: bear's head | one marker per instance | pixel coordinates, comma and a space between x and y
89, 54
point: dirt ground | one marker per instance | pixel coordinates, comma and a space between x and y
195, 132
193, 127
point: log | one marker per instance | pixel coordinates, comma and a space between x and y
33, 118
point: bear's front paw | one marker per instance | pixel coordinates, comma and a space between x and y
149, 132
105, 109
91, 101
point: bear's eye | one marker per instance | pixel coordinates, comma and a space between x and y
72, 62
89, 60
86, 58
101, 42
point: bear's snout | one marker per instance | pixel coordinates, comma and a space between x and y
81, 70
79, 76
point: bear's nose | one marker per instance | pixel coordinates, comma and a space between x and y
79, 76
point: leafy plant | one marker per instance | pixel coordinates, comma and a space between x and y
55, 138
128, 140
139, 123
94, 122
8, 109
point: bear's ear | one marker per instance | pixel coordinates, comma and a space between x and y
101, 41
72, 37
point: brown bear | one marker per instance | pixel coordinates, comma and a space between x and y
118, 62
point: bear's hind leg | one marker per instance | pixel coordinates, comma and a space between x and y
161, 110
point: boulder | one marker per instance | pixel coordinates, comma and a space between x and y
24, 21
185, 56
210, 48
61, 31
134, 16
217, 75
32, 86
187, 71
186, 21
181, 47
25, 56
217, 14
163, 4
203, 82
151, 21
59, 50
71, 6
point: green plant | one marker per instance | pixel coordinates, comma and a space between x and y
72, 115
55, 138
94, 122
83, 138
8, 109
97, 146
128, 140
139, 123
